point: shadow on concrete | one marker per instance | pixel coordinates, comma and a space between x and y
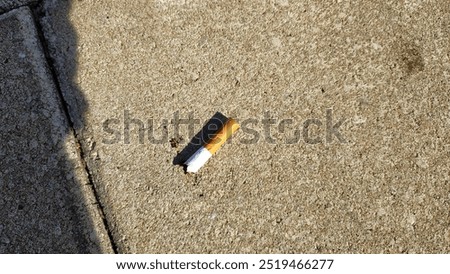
43, 185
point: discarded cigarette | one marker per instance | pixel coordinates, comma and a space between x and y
202, 155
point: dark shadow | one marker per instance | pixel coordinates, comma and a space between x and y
43, 206
204, 135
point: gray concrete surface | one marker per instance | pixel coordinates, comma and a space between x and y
46, 202
7, 5
382, 66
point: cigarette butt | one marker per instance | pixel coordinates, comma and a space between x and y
202, 155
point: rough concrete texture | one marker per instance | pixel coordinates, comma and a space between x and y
46, 202
7, 5
382, 66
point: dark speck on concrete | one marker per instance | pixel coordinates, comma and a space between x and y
175, 142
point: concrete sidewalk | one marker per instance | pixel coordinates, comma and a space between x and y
46, 202
376, 183
8, 5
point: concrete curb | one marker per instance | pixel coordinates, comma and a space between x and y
47, 204
7, 5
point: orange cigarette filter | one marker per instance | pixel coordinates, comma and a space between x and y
202, 155
222, 135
